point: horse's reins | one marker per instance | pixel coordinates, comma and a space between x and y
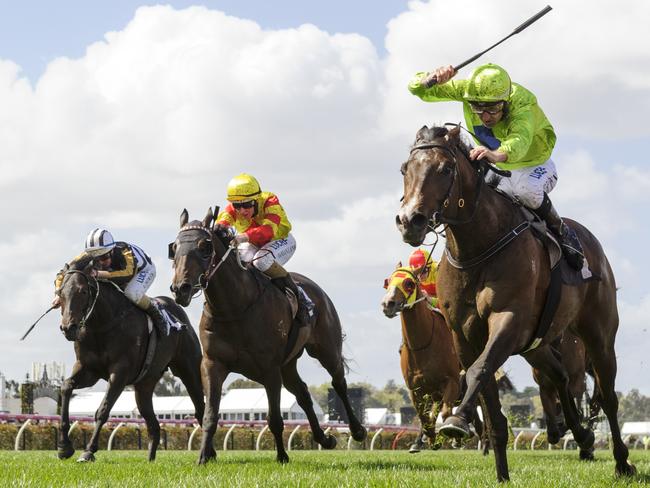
82, 322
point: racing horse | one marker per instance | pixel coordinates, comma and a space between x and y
493, 282
112, 341
430, 365
245, 326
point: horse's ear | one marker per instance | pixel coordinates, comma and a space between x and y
399, 264
185, 217
453, 135
208, 219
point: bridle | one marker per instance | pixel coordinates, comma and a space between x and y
89, 306
405, 304
214, 263
437, 217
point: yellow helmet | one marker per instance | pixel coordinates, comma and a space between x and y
243, 187
488, 83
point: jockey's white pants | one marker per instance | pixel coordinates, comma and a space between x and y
528, 185
140, 283
279, 251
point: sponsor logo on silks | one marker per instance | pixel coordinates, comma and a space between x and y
141, 276
538, 172
276, 244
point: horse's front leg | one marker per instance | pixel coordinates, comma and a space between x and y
213, 374
502, 342
116, 383
80, 378
273, 387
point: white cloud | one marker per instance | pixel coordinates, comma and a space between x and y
159, 115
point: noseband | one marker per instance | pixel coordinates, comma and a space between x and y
90, 306
213, 266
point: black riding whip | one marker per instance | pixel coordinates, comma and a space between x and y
534, 18
34, 324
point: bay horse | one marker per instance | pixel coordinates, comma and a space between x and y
430, 365
244, 328
111, 337
493, 294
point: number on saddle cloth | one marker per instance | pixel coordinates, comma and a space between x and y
173, 322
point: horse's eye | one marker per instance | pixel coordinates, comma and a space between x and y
171, 250
402, 168
205, 246
409, 285
446, 170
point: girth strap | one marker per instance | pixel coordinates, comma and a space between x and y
550, 307
148, 358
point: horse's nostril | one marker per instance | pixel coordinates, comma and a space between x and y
185, 288
419, 220
398, 220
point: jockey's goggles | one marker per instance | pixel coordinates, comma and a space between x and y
104, 257
248, 204
489, 108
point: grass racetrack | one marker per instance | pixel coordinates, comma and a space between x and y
312, 468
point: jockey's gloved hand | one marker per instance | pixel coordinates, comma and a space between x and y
56, 303
240, 238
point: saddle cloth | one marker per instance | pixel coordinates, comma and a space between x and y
297, 337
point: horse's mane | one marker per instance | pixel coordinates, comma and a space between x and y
81, 263
431, 134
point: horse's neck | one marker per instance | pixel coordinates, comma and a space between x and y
418, 325
231, 288
109, 307
493, 216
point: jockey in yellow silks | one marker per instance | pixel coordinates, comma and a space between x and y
263, 234
427, 269
513, 133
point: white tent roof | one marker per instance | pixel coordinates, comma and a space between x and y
86, 403
636, 428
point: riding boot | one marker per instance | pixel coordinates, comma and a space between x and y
283, 280
151, 309
569, 241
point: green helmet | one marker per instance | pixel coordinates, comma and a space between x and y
488, 83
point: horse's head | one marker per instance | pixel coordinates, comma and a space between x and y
78, 294
429, 175
401, 290
198, 246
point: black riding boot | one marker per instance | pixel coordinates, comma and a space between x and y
302, 314
158, 320
569, 241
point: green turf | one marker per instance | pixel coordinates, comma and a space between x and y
313, 468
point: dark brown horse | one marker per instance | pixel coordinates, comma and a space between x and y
494, 293
110, 337
429, 362
244, 328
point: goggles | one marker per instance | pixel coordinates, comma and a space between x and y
489, 108
248, 204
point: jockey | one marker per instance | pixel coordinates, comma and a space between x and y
427, 270
126, 265
513, 133
263, 235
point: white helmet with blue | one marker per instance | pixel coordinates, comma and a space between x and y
99, 242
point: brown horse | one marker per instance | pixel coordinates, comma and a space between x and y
244, 328
494, 293
111, 338
430, 365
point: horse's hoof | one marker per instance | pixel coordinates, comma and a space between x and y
587, 441
282, 458
587, 454
553, 437
329, 442
86, 457
455, 427
414, 449
66, 452
360, 434
206, 457
626, 469
436, 446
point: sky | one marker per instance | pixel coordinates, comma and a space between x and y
120, 114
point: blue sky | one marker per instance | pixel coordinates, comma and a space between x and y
108, 118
